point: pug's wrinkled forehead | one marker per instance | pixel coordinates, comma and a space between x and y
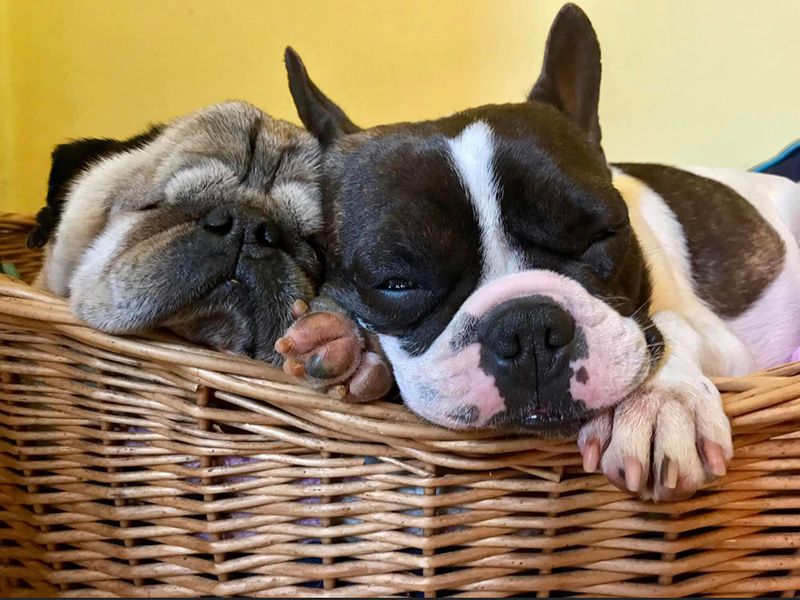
239, 144
229, 148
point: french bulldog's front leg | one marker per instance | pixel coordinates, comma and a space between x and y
671, 435
333, 353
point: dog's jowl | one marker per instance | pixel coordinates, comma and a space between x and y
515, 279
206, 225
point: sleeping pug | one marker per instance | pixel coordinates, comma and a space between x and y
207, 226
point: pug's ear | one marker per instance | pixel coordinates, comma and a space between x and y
321, 116
68, 161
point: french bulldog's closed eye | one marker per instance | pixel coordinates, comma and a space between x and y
398, 285
208, 225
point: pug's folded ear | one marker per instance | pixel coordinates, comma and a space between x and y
68, 161
79, 197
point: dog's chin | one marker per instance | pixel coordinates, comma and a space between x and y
231, 319
542, 424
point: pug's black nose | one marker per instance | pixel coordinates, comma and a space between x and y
219, 221
267, 234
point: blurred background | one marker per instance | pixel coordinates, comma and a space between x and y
684, 81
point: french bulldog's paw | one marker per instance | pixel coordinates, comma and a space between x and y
663, 442
328, 350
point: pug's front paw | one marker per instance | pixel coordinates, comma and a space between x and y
330, 352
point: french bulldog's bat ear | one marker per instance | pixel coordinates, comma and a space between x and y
69, 160
570, 78
321, 116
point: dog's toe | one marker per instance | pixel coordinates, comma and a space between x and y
334, 360
372, 380
626, 461
677, 469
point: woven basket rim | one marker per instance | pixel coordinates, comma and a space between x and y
384, 422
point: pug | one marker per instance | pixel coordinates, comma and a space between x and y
207, 225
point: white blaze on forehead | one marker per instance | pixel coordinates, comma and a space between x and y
472, 153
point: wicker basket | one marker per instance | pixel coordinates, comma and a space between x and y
152, 467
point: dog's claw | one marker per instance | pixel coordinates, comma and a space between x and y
633, 474
714, 456
669, 474
591, 456
299, 309
338, 391
292, 367
283, 346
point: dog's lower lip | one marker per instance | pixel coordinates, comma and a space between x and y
549, 422
537, 419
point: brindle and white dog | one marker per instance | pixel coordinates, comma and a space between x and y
516, 279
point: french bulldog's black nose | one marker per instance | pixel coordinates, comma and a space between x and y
527, 345
219, 221
529, 333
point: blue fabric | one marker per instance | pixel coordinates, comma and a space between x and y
786, 163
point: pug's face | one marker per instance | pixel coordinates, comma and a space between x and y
206, 226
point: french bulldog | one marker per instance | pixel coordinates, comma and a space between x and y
208, 225
516, 279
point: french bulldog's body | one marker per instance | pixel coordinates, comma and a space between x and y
205, 225
517, 280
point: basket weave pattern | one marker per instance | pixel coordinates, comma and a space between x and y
153, 467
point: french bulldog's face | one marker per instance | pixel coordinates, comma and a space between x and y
207, 226
490, 251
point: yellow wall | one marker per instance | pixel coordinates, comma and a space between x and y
685, 81
6, 112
